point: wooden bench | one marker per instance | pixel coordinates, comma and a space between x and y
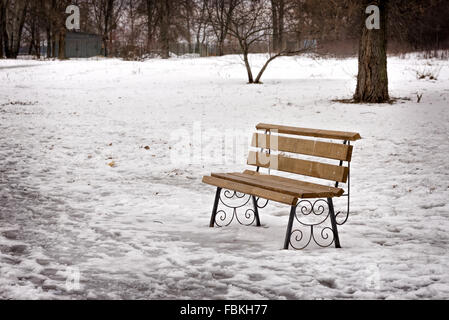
278, 149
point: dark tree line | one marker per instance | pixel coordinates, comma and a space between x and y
12, 20
133, 27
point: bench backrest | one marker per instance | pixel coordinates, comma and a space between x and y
275, 139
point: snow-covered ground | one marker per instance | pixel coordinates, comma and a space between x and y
81, 196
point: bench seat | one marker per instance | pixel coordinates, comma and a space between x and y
272, 185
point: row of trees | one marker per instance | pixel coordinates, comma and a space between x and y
130, 27
247, 24
32, 23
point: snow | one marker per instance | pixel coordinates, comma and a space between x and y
139, 229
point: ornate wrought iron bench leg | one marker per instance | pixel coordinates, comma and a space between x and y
256, 211
214, 209
333, 222
289, 227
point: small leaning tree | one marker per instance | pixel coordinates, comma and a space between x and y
251, 23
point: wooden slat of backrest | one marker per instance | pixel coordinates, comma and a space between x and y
308, 147
330, 134
298, 166
296, 183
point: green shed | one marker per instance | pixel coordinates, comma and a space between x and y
82, 45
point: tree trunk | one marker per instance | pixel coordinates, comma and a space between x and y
259, 75
372, 79
49, 51
61, 51
275, 23
2, 26
281, 10
248, 66
53, 44
37, 45
277, 16
107, 20
3, 29
165, 29
189, 27
220, 48
51, 27
150, 16
225, 11
32, 34
13, 30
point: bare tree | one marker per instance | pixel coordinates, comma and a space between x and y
184, 24
152, 20
201, 23
34, 24
132, 7
169, 20
220, 14
106, 13
165, 7
372, 79
277, 13
422, 24
414, 24
14, 15
108, 10
50, 6
2, 25
251, 23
